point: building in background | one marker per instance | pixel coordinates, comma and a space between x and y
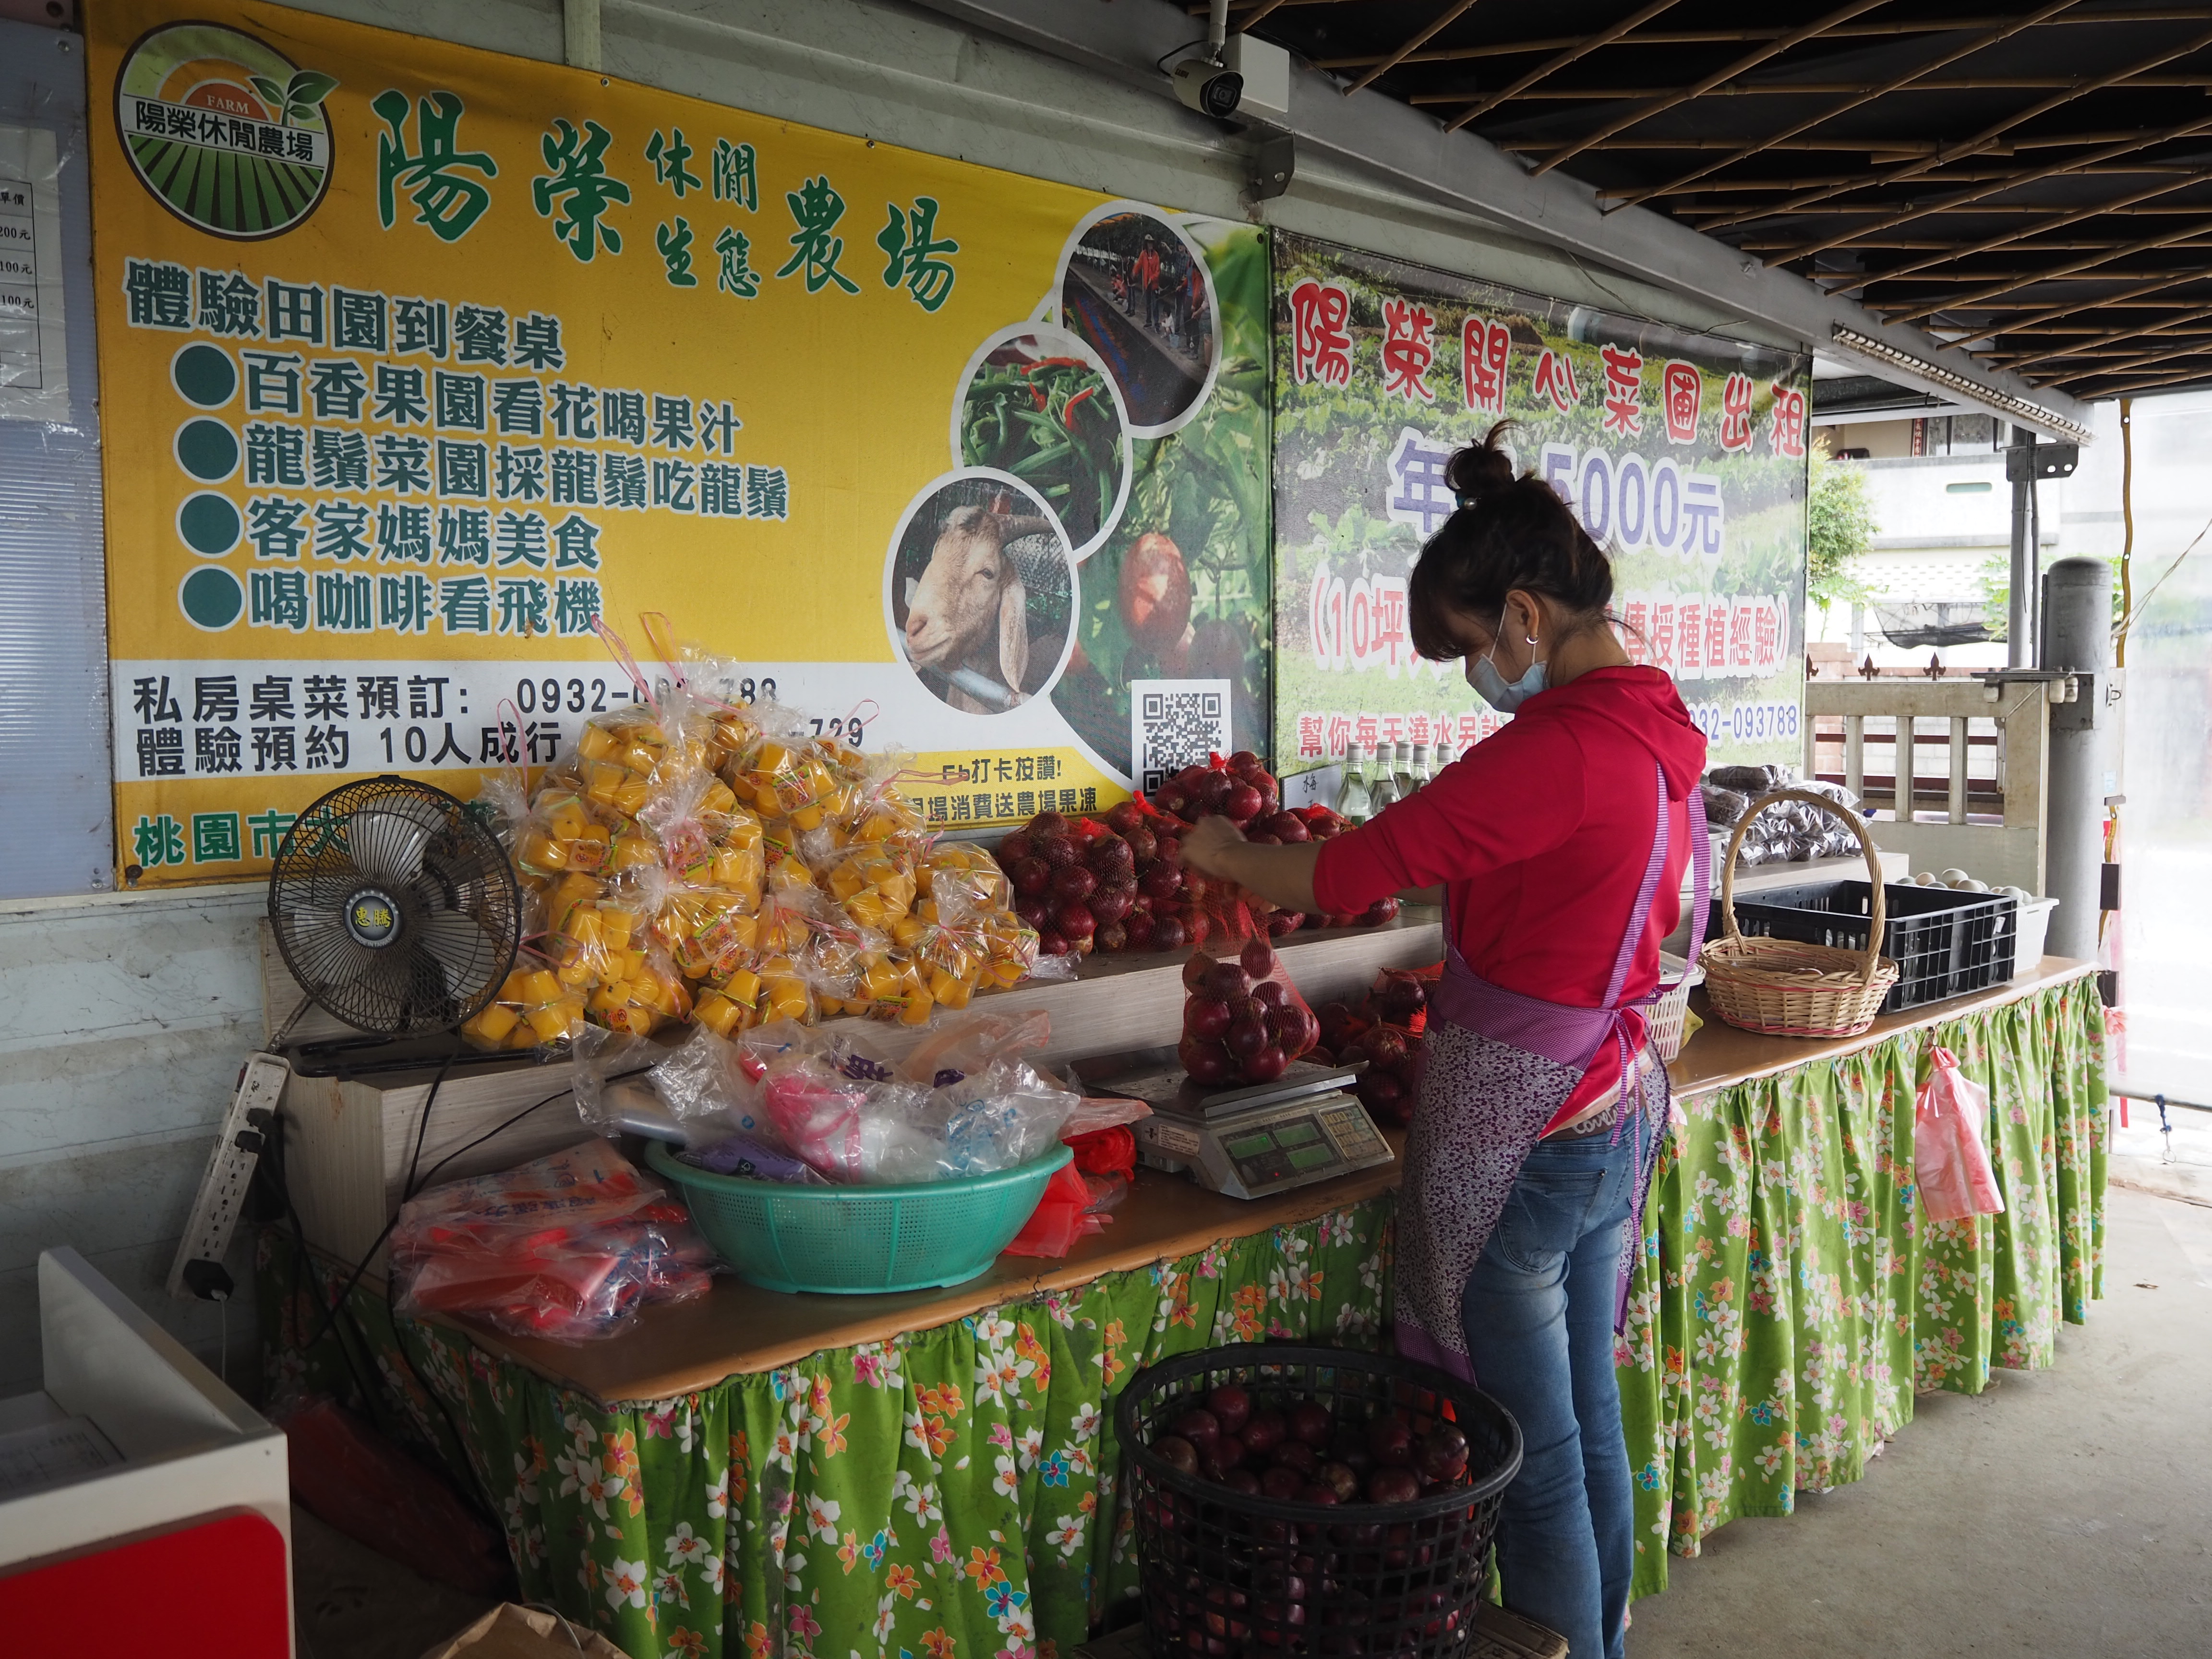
1937, 569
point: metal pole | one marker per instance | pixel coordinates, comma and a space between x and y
2077, 614
2020, 645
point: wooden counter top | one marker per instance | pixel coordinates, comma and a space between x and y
1720, 1056
738, 1328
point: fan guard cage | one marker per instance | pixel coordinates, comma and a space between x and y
394, 907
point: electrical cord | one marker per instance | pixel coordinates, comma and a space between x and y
1161, 62
421, 1129
429, 1175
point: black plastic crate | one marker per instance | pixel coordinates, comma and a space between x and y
1945, 944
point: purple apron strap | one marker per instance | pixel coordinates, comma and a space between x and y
1654, 868
1701, 862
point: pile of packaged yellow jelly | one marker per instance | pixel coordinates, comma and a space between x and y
697, 861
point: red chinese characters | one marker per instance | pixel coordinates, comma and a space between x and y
1635, 631
1735, 413
1785, 426
1409, 346
1485, 351
1624, 390
1682, 390
1310, 735
1766, 636
1320, 335
1663, 636
1555, 379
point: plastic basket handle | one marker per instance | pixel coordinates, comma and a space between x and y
1870, 959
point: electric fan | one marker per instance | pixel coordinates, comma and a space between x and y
394, 907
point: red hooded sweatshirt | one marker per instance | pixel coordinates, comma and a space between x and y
1540, 835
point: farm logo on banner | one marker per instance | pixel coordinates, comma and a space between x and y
1683, 455
225, 131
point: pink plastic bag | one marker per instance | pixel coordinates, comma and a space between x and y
1948, 1159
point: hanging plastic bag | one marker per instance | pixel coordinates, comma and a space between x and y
1948, 1159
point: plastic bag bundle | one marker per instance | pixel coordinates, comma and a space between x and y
1793, 831
699, 860
567, 1247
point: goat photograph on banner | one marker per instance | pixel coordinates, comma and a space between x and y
983, 591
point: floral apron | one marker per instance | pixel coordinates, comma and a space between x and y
1496, 1068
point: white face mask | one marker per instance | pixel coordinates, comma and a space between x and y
1492, 686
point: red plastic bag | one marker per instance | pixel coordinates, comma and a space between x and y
1948, 1159
1060, 1218
1111, 1150
1243, 1020
567, 1247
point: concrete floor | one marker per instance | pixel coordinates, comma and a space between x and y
2065, 1514
350, 1602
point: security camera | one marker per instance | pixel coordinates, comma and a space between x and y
1208, 86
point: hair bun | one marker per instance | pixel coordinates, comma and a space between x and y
1481, 470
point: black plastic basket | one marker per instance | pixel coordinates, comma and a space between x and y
1225, 1573
1944, 943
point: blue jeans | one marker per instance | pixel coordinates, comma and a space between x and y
1538, 1313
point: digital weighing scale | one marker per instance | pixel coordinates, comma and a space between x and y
1249, 1141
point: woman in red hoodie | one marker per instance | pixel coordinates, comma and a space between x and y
1557, 849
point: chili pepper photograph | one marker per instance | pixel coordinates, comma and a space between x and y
1137, 291
1037, 405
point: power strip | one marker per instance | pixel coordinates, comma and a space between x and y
222, 1188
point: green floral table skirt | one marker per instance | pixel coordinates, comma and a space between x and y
1792, 1299
950, 1494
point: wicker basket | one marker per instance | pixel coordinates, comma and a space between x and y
1782, 987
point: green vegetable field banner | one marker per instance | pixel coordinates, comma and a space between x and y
1682, 453
1172, 650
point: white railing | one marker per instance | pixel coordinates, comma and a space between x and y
1986, 819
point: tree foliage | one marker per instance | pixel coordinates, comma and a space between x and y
1838, 528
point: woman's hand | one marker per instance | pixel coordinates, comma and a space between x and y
1208, 847
1281, 875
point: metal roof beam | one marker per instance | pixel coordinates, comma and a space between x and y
1995, 185
1750, 60
2041, 107
1451, 13
1558, 61
1857, 96
2065, 272
1729, 37
2200, 372
2097, 344
2055, 222
1384, 139
1796, 88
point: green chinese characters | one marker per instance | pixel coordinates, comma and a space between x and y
580, 184
434, 174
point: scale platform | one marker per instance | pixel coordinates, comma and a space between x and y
1246, 1142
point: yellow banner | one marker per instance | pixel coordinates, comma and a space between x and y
416, 359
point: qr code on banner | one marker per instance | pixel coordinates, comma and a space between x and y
1174, 724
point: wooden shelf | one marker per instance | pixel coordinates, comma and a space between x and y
348, 1141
